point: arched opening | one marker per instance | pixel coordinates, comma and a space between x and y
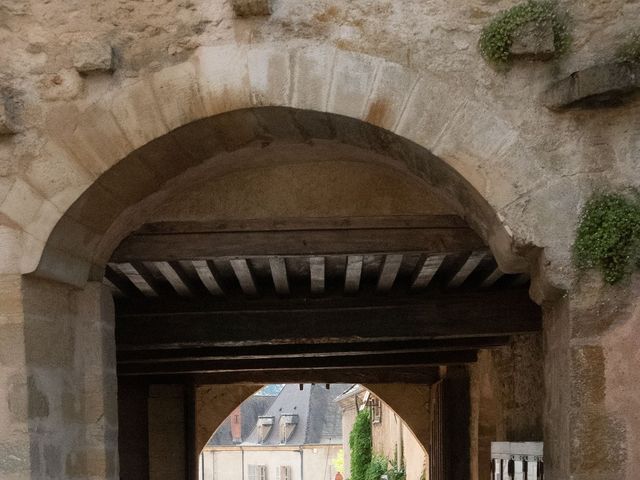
316, 421
276, 244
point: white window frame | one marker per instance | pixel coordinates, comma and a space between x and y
283, 469
257, 472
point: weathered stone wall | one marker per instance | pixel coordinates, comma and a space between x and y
507, 396
83, 86
591, 369
489, 126
59, 407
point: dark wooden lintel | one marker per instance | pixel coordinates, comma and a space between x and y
193, 241
201, 324
300, 363
412, 375
307, 350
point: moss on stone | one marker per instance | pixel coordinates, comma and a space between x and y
497, 37
608, 236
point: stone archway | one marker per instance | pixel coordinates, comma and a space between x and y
87, 141
59, 228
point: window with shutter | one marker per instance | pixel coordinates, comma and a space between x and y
252, 472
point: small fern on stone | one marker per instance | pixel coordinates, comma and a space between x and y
608, 236
497, 37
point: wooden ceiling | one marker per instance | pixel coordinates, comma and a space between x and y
354, 299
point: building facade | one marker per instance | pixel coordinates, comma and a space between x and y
390, 435
293, 435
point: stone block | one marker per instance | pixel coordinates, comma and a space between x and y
7, 124
353, 77
269, 75
176, 90
251, 8
93, 57
312, 77
599, 86
223, 78
598, 446
534, 41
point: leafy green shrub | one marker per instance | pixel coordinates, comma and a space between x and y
630, 50
376, 468
360, 444
608, 236
497, 37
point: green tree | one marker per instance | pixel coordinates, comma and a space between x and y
360, 444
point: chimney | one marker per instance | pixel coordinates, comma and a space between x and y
236, 425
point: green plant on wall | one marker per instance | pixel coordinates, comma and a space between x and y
360, 444
497, 37
608, 236
376, 468
630, 50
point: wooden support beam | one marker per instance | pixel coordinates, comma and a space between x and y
175, 276
492, 278
317, 274
279, 275
388, 272
244, 276
192, 241
467, 268
200, 323
205, 270
139, 276
307, 350
410, 375
426, 272
296, 364
121, 281
353, 274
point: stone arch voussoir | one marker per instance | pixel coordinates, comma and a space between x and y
215, 81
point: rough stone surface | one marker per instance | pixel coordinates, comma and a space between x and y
93, 57
534, 41
599, 86
251, 8
409, 67
7, 125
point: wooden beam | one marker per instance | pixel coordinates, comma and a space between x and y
467, 268
317, 274
353, 274
245, 277
189, 241
201, 323
388, 272
410, 375
121, 281
296, 364
279, 275
307, 350
139, 277
205, 270
492, 278
175, 276
426, 272
306, 223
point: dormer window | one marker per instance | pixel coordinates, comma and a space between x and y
264, 428
288, 422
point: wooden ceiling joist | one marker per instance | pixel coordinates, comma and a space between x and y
157, 242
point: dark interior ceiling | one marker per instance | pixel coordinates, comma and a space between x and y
365, 299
